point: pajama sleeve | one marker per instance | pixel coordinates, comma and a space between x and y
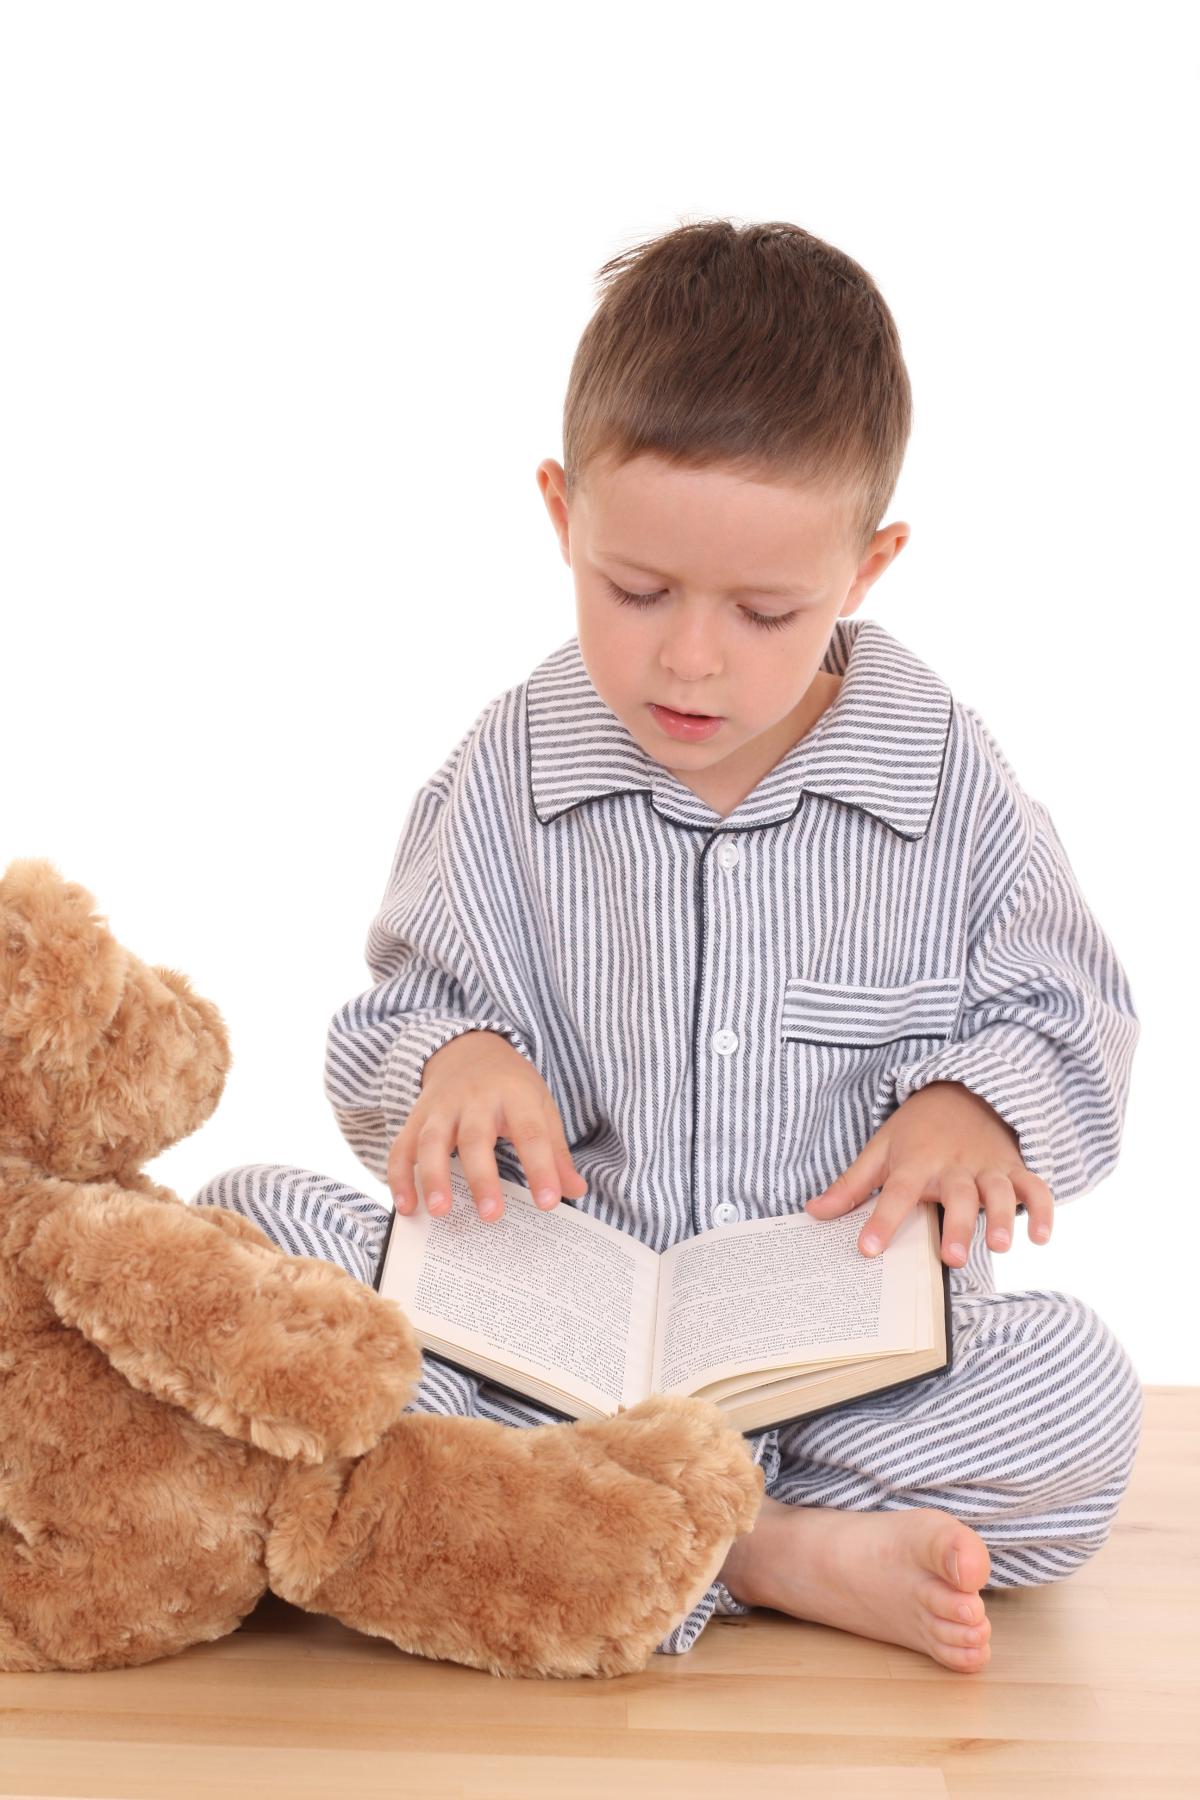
429, 989
1047, 1028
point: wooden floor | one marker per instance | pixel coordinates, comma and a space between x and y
1093, 1688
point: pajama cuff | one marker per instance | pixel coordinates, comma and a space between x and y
727, 1606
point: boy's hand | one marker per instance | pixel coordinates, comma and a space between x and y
942, 1143
474, 1090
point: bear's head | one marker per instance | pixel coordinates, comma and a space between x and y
104, 1061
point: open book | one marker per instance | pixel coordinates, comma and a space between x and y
773, 1320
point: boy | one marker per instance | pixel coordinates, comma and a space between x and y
730, 909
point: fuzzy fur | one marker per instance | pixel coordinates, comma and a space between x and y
188, 1415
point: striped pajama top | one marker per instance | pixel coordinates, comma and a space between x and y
725, 1009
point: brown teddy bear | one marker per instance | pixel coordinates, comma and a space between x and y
189, 1416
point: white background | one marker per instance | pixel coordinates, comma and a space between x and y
289, 299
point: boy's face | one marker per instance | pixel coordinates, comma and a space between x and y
708, 544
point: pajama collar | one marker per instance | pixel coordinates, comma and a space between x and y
880, 747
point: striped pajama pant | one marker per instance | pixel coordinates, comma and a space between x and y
1029, 1439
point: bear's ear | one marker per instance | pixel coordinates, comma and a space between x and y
62, 972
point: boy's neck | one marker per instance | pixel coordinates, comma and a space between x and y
724, 792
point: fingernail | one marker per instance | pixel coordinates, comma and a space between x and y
1001, 1240
870, 1245
952, 1565
956, 1253
489, 1208
1040, 1234
436, 1202
546, 1197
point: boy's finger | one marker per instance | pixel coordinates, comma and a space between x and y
1000, 1204
899, 1195
477, 1153
537, 1159
841, 1196
399, 1176
545, 1187
568, 1174
960, 1203
833, 1201
434, 1143
853, 1185
1039, 1204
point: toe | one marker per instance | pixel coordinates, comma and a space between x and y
964, 1636
955, 1552
946, 1602
974, 1562
966, 1658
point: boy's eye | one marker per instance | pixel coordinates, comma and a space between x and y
767, 621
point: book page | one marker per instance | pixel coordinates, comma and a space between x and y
793, 1292
557, 1295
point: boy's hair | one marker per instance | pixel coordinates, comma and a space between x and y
761, 348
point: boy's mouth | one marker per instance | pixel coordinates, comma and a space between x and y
692, 726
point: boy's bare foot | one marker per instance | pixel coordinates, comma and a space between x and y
886, 1575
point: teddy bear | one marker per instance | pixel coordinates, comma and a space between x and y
190, 1416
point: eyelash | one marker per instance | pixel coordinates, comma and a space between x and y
764, 621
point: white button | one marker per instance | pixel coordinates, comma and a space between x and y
727, 855
725, 1041
726, 1213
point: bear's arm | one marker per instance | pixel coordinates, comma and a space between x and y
285, 1352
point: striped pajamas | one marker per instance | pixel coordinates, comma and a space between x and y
725, 1009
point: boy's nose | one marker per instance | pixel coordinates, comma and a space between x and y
691, 662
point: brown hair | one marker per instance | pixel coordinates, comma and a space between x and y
759, 347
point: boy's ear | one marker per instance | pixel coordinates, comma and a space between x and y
552, 480
889, 541
887, 544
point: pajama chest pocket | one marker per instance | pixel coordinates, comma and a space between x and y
848, 1016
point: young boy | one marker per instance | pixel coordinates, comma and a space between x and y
731, 908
